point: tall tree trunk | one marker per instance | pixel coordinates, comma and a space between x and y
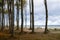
32, 16
4, 16
17, 16
45, 2
8, 12
30, 6
2, 28
9, 9
4, 21
0, 18
21, 16
12, 18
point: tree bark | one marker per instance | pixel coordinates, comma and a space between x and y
21, 16
9, 9
0, 19
12, 18
30, 6
45, 2
32, 16
17, 16
2, 28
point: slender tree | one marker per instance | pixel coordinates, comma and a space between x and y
0, 11
9, 12
19, 3
30, 6
0, 16
12, 18
4, 14
21, 16
0, 20
32, 16
2, 28
17, 15
45, 2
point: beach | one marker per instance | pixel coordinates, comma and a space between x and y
38, 35
53, 34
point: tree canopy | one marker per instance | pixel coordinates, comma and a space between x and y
0, 1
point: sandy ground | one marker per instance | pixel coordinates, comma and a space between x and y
41, 30
38, 30
39, 35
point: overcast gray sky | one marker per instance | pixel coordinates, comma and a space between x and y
39, 12
53, 11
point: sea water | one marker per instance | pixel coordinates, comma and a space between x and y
43, 26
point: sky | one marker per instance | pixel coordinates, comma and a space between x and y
39, 12
53, 12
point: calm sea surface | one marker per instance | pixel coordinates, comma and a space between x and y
43, 26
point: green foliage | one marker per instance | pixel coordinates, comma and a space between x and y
6, 11
0, 8
0, 1
19, 4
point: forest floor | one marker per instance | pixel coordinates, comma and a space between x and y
38, 35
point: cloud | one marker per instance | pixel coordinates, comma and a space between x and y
54, 20
39, 12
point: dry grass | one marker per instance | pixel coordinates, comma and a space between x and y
39, 35
28, 36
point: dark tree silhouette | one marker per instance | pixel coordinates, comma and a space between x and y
12, 18
9, 9
30, 6
0, 19
32, 16
2, 28
17, 18
21, 16
45, 2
